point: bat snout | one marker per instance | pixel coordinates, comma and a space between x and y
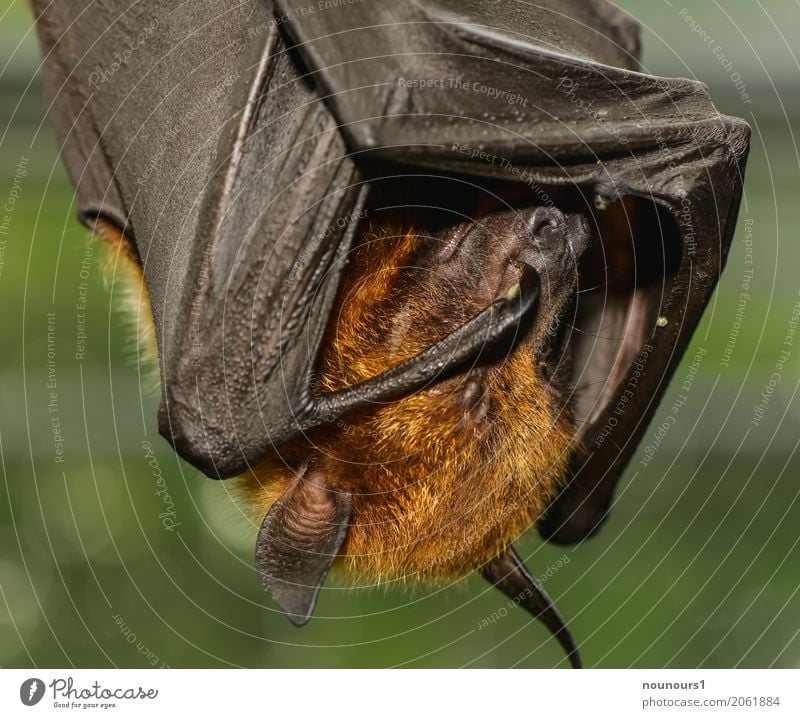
545, 223
553, 239
544, 238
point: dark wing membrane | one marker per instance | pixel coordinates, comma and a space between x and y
194, 130
69, 92
511, 95
530, 92
197, 132
163, 90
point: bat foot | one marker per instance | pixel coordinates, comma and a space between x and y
507, 572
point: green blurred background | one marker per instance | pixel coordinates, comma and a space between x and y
698, 565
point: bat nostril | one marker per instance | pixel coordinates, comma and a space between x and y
542, 217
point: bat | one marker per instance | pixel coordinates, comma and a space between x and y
419, 273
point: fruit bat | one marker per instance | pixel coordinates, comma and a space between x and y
419, 272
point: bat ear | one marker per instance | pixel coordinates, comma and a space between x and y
299, 539
507, 572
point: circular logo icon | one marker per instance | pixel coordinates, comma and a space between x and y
31, 691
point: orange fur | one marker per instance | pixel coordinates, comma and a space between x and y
436, 491
122, 271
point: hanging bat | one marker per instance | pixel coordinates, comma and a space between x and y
419, 273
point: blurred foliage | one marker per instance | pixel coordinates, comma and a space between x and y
696, 567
